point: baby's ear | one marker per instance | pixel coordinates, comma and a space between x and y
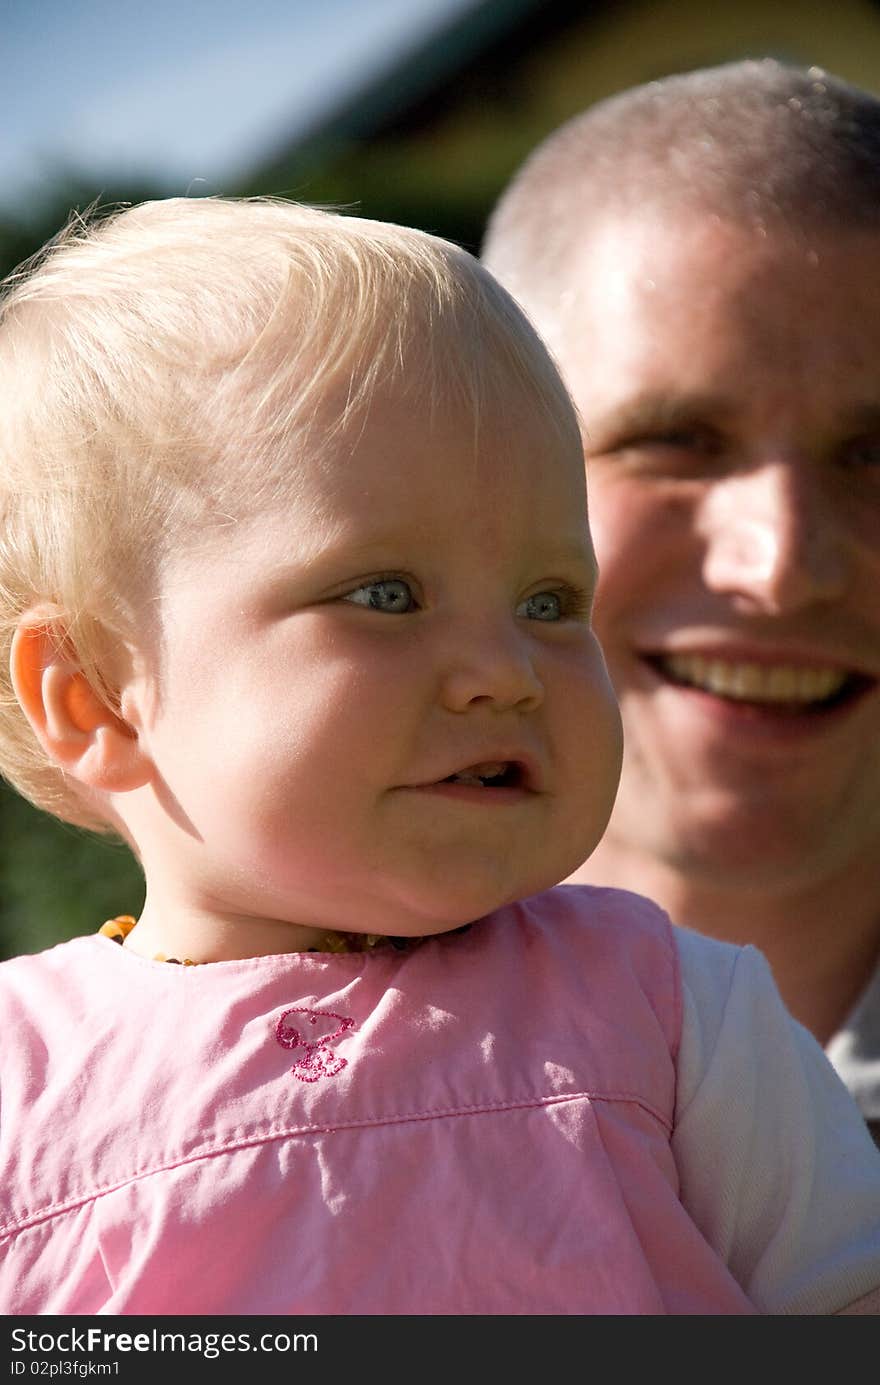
77, 729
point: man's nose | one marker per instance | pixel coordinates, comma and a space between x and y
772, 537
491, 664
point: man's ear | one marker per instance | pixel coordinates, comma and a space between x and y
77, 729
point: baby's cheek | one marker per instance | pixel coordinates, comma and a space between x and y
593, 737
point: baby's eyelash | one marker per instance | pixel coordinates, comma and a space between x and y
391, 594
576, 603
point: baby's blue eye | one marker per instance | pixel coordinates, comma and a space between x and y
541, 606
391, 594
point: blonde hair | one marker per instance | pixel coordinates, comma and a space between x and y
170, 364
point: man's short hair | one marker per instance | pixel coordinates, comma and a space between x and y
757, 143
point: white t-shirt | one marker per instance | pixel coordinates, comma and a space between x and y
771, 1091
855, 1050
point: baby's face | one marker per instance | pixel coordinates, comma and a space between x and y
383, 709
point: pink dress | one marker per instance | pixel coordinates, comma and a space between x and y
478, 1126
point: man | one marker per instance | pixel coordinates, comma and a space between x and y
703, 256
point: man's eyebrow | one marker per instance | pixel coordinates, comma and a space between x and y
655, 411
861, 418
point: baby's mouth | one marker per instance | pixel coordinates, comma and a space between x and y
492, 774
782, 687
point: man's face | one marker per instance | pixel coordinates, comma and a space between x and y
381, 706
729, 384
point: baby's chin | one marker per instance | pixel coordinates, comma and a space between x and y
481, 904
445, 890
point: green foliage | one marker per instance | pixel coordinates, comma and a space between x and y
56, 881
27, 230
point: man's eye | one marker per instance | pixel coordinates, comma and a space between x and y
685, 445
541, 606
696, 438
703, 439
390, 594
864, 452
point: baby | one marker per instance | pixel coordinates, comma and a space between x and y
296, 580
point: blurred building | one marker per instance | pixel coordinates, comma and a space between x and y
431, 140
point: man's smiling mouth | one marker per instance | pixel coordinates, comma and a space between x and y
783, 687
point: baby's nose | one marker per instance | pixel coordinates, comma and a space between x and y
493, 668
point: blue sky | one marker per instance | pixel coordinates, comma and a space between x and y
180, 90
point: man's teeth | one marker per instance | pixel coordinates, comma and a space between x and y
477, 774
755, 682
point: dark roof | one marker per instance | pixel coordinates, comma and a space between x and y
475, 49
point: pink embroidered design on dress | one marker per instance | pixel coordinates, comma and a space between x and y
317, 1059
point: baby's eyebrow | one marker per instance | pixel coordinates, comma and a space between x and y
335, 557
332, 549
567, 555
